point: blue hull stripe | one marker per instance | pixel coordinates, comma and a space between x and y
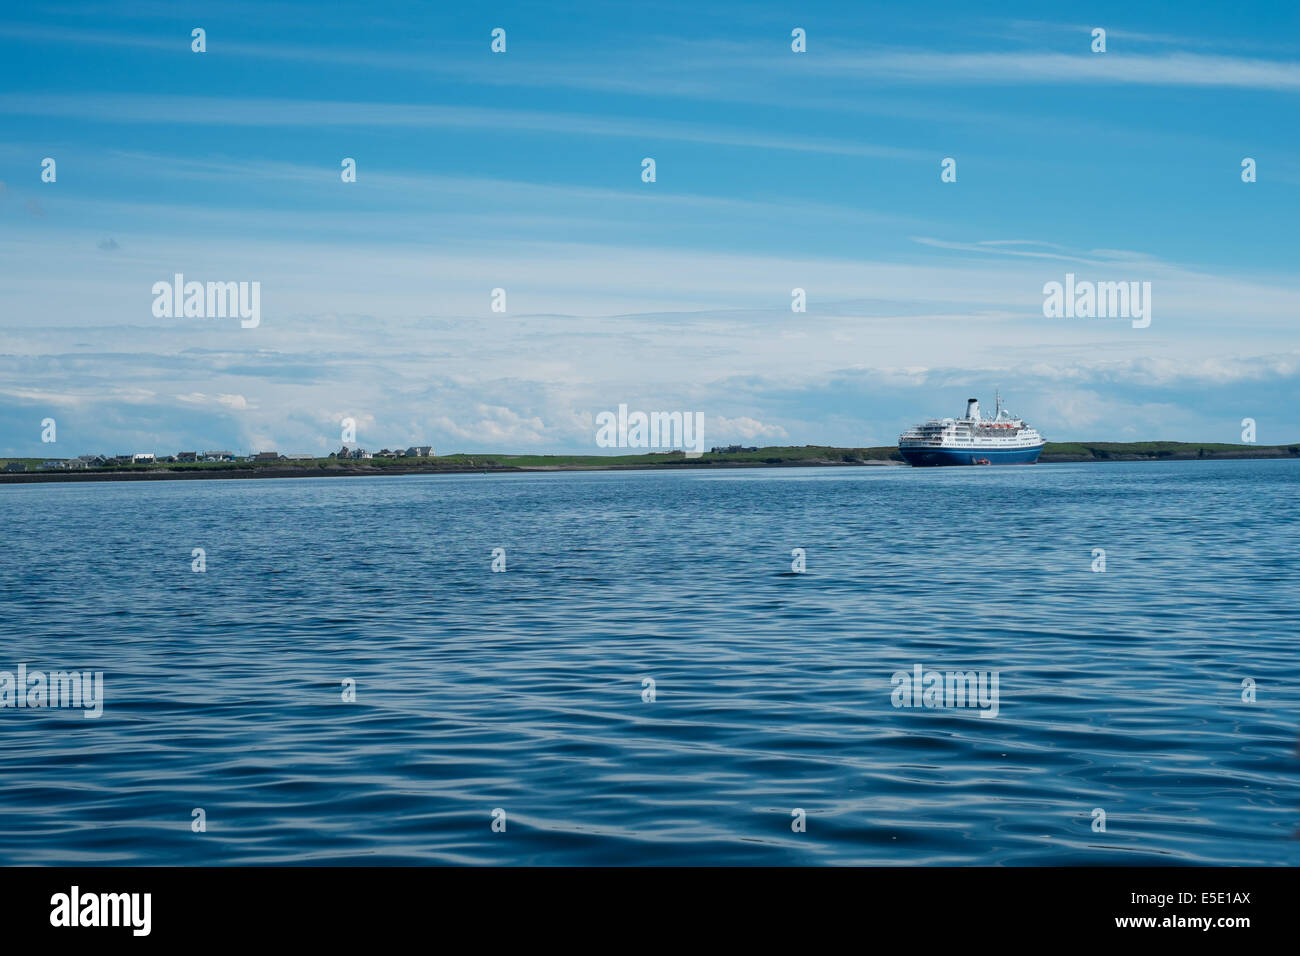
922, 457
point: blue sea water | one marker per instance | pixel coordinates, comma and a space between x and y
1119, 690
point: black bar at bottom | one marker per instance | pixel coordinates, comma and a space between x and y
334, 906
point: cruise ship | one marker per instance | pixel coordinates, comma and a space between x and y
972, 440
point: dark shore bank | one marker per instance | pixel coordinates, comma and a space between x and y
802, 456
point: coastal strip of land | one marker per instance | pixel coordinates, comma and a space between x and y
22, 470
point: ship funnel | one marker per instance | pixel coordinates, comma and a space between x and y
973, 408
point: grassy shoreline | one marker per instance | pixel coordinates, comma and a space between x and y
777, 456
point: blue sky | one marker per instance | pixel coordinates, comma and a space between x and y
522, 171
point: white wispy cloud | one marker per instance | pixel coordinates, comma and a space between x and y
674, 66
256, 112
1173, 69
744, 427
233, 402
